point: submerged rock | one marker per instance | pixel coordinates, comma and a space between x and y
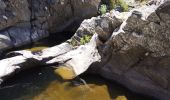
65, 72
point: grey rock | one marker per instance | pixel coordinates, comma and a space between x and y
2, 5
13, 12
28, 21
60, 14
5, 41
136, 48
19, 35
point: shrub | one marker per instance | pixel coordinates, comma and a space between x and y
103, 9
85, 39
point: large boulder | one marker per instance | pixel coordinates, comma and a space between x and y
26, 21
134, 48
138, 54
58, 15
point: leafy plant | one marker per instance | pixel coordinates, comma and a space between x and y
103, 9
85, 39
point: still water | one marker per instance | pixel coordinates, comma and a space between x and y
44, 84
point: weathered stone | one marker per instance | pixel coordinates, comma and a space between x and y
136, 52
103, 26
20, 35
61, 14
138, 57
5, 41
131, 48
27, 21
13, 12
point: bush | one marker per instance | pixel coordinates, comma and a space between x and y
103, 9
85, 39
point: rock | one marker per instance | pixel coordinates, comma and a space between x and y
5, 41
28, 21
72, 61
13, 12
60, 14
21, 60
134, 49
2, 5
65, 72
20, 35
130, 48
103, 26
137, 54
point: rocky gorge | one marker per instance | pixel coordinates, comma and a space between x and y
130, 48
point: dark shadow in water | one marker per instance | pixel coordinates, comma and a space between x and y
28, 84
114, 89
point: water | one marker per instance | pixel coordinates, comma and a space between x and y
44, 84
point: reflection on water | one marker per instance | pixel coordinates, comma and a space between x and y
44, 84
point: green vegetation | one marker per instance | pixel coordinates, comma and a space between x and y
121, 3
103, 9
85, 39
112, 4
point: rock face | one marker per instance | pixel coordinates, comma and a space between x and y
25, 21
134, 47
131, 48
138, 53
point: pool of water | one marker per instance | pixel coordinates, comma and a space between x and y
44, 84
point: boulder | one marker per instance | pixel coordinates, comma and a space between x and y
134, 48
131, 48
58, 15
13, 12
137, 55
27, 21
